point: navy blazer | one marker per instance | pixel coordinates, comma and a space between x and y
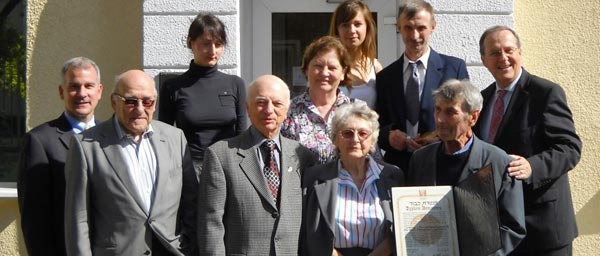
509, 191
320, 186
41, 186
538, 125
390, 102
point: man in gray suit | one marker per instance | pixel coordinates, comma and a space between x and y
461, 153
131, 187
250, 198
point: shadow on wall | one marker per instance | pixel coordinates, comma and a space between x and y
589, 215
109, 32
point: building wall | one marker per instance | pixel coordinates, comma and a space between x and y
560, 43
109, 32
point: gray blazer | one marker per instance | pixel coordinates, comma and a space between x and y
103, 212
321, 184
236, 213
509, 192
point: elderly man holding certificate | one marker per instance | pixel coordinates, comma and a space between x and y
460, 155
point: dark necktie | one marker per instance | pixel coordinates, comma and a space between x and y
497, 114
413, 106
271, 170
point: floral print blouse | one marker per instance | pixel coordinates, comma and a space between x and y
305, 125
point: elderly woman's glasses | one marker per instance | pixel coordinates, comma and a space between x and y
131, 102
349, 134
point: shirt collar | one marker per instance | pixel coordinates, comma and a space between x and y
78, 126
512, 85
258, 138
121, 134
466, 148
373, 171
424, 59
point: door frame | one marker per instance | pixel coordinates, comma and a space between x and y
256, 30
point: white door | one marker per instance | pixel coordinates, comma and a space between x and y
275, 32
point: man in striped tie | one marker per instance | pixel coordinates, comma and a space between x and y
250, 196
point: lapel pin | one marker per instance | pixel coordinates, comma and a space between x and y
290, 169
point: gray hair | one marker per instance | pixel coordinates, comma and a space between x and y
410, 8
79, 62
355, 109
454, 90
493, 29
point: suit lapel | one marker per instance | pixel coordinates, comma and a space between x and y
326, 192
161, 148
519, 97
288, 171
64, 131
251, 168
110, 144
398, 89
474, 162
433, 76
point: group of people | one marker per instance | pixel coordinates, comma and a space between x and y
306, 176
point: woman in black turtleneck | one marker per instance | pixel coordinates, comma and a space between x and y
206, 104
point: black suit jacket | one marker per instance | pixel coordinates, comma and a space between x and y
391, 102
41, 186
538, 125
320, 188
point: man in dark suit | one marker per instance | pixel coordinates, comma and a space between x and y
250, 197
404, 88
131, 187
41, 179
529, 117
461, 153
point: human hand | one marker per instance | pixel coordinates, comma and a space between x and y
519, 168
397, 140
427, 138
336, 253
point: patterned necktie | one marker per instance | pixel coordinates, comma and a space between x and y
497, 114
271, 170
413, 106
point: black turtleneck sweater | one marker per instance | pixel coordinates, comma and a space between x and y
206, 104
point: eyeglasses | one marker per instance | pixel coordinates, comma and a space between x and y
134, 102
349, 134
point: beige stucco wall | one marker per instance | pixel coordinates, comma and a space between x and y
108, 31
561, 42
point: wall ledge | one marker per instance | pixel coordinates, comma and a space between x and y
8, 190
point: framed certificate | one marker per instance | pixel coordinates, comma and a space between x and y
444, 220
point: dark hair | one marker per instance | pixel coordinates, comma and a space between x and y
205, 22
410, 8
493, 29
345, 12
323, 45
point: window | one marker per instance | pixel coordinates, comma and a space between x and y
12, 86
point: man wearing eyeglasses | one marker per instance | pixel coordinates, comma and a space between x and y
528, 117
41, 179
131, 187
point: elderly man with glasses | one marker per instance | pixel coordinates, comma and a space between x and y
131, 187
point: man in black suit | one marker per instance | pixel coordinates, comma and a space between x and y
529, 117
405, 119
41, 178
